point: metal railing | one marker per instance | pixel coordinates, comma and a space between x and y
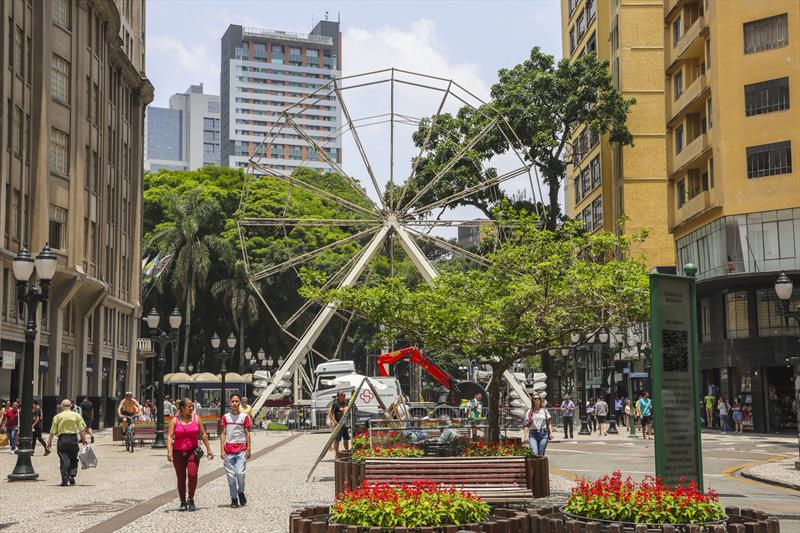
287, 36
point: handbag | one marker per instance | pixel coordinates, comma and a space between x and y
198, 452
87, 457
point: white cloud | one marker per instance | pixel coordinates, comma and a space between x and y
194, 59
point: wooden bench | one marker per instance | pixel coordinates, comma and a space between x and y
496, 480
143, 433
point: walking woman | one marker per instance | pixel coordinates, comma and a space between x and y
737, 416
183, 450
540, 426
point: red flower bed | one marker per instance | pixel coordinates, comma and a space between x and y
400, 450
646, 502
495, 449
417, 504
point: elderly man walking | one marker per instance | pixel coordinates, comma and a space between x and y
67, 425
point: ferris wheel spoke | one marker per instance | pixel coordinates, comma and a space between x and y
311, 189
450, 247
321, 151
455, 159
469, 191
310, 255
343, 222
424, 146
357, 140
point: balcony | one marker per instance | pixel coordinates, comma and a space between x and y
692, 92
693, 207
144, 347
686, 40
690, 152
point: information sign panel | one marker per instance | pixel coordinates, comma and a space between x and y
675, 379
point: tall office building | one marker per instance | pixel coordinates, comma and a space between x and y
184, 136
263, 73
732, 95
73, 100
605, 182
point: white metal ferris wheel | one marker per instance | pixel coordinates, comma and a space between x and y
371, 222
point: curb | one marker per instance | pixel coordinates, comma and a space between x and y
769, 481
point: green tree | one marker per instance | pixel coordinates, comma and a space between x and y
539, 287
186, 236
544, 102
235, 292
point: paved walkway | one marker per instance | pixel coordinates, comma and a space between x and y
783, 473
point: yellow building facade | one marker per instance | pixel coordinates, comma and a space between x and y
732, 97
606, 184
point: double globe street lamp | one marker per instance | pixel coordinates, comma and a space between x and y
784, 288
222, 356
30, 294
161, 339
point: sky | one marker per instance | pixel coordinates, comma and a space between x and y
467, 41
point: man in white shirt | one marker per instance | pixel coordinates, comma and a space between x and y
568, 414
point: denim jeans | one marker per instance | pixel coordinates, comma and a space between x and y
234, 468
724, 424
12, 437
538, 441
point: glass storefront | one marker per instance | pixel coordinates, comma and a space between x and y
743, 392
767, 241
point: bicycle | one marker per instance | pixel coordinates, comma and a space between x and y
128, 437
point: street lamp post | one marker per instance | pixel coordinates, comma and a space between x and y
160, 339
30, 294
222, 357
784, 288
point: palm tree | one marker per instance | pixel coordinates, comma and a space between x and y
190, 239
242, 303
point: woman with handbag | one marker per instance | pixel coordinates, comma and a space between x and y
184, 452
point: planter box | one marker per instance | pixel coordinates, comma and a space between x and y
315, 520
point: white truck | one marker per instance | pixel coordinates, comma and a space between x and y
334, 376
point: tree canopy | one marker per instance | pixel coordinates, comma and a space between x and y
539, 287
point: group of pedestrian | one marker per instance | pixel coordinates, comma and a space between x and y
184, 434
731, 417
10, 415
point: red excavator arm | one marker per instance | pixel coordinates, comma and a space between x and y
415, 356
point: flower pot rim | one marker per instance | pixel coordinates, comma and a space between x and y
650, 527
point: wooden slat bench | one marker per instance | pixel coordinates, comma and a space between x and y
496, 480
143, 433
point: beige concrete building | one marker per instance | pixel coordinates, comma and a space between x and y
606, 184
732, 96
73, 99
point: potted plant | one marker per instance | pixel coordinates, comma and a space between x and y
611, 499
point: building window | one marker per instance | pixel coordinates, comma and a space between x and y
586, 217
709, 114
705, 319
591, 44
260, 50
766, 34
13, 222
277, 53
770, 313
61, 13
59, 152
737, 325
581, 24
58, 228
681, 188
591, 8
18, 50
571, 6
679, 139
595, 166
59, 81
597, 212
312, 57
769, 159
295, 152
572, 40
578, 191
766, 97
16, 131
676, 31
208, 123
677, 84
586, 181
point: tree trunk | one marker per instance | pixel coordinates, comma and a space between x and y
186, 335
554, 208
493, 416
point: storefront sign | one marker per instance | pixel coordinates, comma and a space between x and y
9, 360
676, 379
639, 375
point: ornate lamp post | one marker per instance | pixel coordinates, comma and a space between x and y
161, 339
784, 288
30, 294
222, 357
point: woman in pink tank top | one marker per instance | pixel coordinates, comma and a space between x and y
182, 441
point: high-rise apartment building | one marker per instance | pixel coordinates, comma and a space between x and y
732, 100
606, 183
186, 135
73, 100
264, 72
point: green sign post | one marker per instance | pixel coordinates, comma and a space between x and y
676, 377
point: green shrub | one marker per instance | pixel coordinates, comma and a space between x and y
276, 426
390, 451
417, 504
